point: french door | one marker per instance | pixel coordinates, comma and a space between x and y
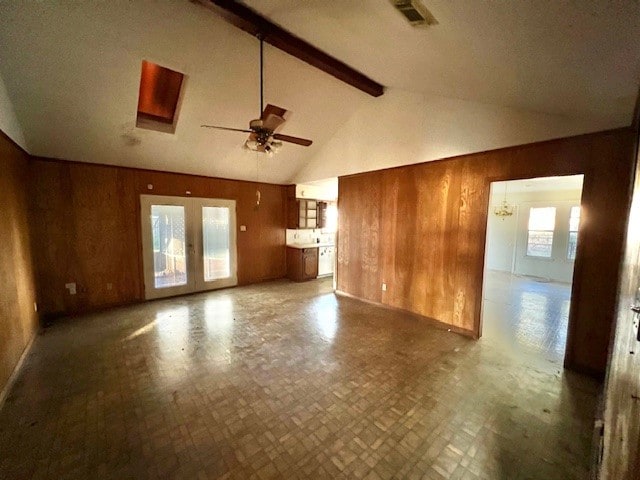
188, 244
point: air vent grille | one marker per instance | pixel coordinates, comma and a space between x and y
415, 13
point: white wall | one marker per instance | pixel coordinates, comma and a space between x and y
501, 241
319, 190
507, 238
401, 128
8, 121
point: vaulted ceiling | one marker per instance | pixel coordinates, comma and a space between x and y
491, 74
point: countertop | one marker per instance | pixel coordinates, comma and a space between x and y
310, 245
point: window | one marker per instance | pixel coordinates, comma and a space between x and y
574, 222
541, 225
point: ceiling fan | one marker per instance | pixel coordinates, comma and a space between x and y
264, 136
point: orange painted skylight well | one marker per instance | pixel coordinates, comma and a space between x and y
159, 94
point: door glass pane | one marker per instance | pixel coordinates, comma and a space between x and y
215, 241
169, 253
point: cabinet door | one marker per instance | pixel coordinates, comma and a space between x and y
302, 214
292, 213
310, 263
322, 214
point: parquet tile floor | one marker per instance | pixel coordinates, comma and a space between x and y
284, 380
526, 314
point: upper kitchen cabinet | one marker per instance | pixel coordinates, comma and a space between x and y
322, 214
306, 213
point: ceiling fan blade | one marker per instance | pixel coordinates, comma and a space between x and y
273, 110
272, 122
227, 128
298, 141
273, 117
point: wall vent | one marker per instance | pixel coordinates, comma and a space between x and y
415, 13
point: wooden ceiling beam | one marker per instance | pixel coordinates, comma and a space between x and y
253, 23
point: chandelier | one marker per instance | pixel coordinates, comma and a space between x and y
504, 209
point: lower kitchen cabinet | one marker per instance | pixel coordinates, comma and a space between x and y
302, 263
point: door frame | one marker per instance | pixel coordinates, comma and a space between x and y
568, 348
194, 245
232, 280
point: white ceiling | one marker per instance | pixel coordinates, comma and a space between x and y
72, 69
569, 57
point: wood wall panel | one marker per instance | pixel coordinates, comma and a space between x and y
18, 320
621, 455
426, 224
87, 229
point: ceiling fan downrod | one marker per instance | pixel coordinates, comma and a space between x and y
261, 38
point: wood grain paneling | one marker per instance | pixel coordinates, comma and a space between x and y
421, 230
621, 456
86, 229
18, 320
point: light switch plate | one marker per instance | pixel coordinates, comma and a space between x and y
243, 228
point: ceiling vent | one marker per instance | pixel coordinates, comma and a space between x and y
415, 13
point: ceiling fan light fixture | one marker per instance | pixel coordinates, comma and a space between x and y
251, 145
262, 130
272, 146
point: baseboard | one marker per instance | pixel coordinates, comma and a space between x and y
50, 317
16, 370
431, 321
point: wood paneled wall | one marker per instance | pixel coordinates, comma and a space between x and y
621, 456
86, 228
18, 320
421, 230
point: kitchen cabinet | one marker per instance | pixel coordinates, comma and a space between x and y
302, 263
322, 214
305, 213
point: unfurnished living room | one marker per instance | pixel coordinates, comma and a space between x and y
363, 239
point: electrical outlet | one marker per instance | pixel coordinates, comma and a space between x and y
243, 228
384, 287
71, 287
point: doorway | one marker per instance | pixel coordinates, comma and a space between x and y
188, 244
530, 250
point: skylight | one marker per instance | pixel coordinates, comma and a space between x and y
158, 98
